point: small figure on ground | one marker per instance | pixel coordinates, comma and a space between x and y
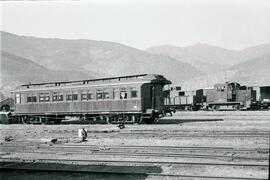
84, 135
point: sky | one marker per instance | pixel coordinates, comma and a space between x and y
231, 24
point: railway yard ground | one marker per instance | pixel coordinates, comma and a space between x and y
188, 145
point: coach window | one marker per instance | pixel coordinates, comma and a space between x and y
18, 98
134, 92
47, 97
106, 94
55, 97
60, 97
34, 98
84, 96
116, 93
29, 98
99, 94
41, 97
90, 95
74, 96
123, 93
69, 97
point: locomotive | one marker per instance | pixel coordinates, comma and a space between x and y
230, 95
130, 99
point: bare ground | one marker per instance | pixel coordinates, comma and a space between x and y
243, 138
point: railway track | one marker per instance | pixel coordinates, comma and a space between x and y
134, 155
147, 154
146, 173
79, 146
200, 177
225, 154
200, 133
125, 147
78, 161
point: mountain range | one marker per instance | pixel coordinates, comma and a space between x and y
27, 59
209, 58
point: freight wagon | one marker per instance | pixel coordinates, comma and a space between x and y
184, 100
262, 97
136, 98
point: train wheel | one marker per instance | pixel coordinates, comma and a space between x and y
82, 118
108, 119
127, 119
139, 119
133, 119
25, 120
43, 120
114, 119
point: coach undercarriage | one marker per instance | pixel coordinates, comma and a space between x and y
87, 118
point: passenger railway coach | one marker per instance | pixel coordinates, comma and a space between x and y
133, 98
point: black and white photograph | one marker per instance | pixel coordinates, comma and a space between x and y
135, 89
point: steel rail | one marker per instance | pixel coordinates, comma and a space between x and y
140, 147
138, 154
140, 162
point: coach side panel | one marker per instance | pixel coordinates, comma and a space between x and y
115, 99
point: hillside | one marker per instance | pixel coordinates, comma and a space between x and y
255, 51
209, 58
29, 59
16, 70
99, 58
202, 56
253, 71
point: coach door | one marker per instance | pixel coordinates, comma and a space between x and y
153, 97
156, 97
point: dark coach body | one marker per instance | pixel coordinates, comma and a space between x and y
132, 98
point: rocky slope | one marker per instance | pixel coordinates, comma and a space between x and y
29, 59
16, 70
99, 58
210, 58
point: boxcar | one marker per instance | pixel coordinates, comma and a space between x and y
133, 98
262, 97
265, 96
